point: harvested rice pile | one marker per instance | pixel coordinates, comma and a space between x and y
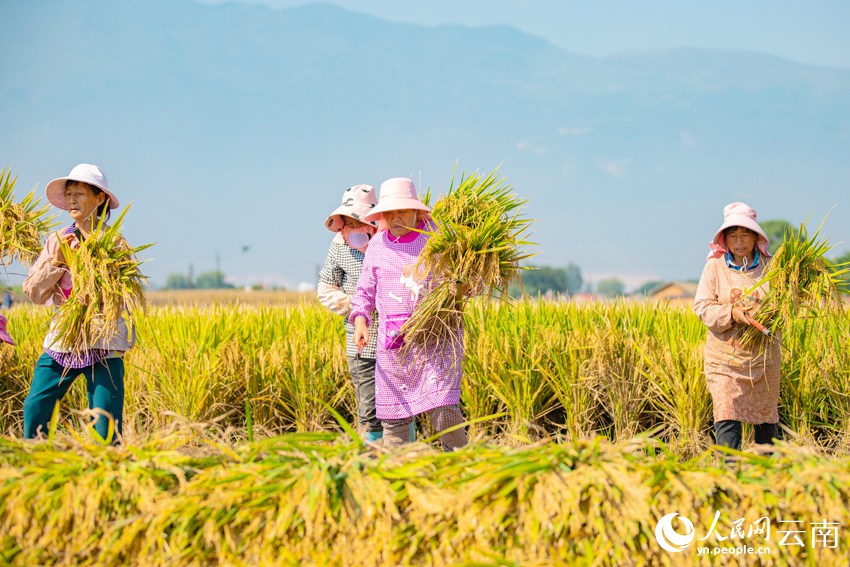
317, 499
475, 250
22, 225
803, 283
108, 284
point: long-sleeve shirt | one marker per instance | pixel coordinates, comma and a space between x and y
337, 282
422, 379
744, 383
51, 285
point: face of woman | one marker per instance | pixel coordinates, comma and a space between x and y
400, 222
352, 223
82, 201
741, 242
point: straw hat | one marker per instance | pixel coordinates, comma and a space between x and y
738, 214
397, 194
86, 173
357, 201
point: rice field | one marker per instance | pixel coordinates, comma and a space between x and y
589, 423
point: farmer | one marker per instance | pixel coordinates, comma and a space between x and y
414, 382
744, 382
337, 282
85, 194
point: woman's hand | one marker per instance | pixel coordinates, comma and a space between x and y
58, 259
739, 315
361, 333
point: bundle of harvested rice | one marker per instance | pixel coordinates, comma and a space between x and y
108, 284
475, 249
802, 281
22, 225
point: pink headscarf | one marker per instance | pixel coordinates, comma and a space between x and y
737, 214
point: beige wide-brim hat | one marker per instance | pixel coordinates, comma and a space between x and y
398, 193
738, 214
357, 202
86, 173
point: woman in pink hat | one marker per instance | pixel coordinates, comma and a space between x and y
417, 382
85, 194
744, 383
337, 282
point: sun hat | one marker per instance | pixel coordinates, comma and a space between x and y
357, 201
86, 173
4, 334
397, 194
737, 214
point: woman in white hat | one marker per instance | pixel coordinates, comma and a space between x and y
337, 282
416, 382
744, 383
85, 194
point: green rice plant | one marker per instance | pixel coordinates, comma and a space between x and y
673, 368
108, 284
476, 249
22, 225
803, 282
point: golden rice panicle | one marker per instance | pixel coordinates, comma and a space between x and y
22, 225
803, 282
475, 250
108, 283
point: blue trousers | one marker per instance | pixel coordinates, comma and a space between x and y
51, 381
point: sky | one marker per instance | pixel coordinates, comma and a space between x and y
814, 33
808, 31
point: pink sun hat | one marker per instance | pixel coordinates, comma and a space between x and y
86, 173
397, 194
357, 201
4, 334
737, 214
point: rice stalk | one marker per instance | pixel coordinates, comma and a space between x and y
475, 249
22, 225
802, 281
108, 284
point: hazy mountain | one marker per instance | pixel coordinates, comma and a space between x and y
237, 124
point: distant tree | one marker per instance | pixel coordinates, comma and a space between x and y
548, 279
574, 279
176, 281
775, 231
212, 280
544, 278
647, 287
610, 287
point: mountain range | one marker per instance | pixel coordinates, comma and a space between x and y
234, 129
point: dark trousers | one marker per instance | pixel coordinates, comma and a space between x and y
51, 381
728, 433
362, 371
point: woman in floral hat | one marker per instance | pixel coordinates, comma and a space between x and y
337, 282
416, 382
744, 383
85, 194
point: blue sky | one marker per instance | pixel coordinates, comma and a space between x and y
672, 147
808, 31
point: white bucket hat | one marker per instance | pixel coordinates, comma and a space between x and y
86, 173
357, 201
738, 214
397, 194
